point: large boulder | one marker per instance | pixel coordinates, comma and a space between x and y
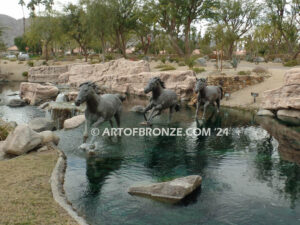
34, 93
128, 77
49, 137
74, 122
172, 191
265, 112
285, 97
41, 124
45, 74
16, 102
22, 140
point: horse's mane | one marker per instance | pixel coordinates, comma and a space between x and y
93, 85
161, 82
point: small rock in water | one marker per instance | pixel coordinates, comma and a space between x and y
265, 112
171, 191
16, 102
138, 109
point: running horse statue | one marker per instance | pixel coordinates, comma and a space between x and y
161, 99
99, 108
207, 95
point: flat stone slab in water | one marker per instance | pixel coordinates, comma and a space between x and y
171, 191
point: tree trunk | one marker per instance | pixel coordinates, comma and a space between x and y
187, 39
123, 43
230, 51
176, 46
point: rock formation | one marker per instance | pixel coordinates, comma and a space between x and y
35, 93
285, 98
172, 191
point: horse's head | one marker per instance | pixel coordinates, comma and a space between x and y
154, 83
85, 90
200, 84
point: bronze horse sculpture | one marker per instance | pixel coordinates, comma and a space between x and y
99, 108
207, 95
161, 99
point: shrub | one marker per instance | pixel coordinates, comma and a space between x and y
163, 59
190, 62
13, 60
5, 62
25, 74
198, 70
159, 66
259, 69
291, 63
3, 133
174, 59
181, 64
244, 72
44, 63
109, 57
30, 63
169, 67
20, 62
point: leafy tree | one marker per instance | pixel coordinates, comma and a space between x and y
20, 43
99, 17
176, 18
146, 30
124, 21
238, 17
285, 16
76, 25
43, 31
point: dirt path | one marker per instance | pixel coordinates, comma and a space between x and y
25, 192
243, 98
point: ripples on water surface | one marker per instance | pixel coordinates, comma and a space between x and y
248, 178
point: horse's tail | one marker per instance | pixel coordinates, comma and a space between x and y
221, 89
177, 107
121, 97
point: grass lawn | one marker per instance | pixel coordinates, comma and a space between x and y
25, 192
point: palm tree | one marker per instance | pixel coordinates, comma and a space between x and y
22, 3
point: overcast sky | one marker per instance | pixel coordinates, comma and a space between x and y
13, 9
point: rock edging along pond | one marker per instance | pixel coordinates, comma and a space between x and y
57, 182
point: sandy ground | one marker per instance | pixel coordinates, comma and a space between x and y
25, 192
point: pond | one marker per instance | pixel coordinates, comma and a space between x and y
250, 176
246, 178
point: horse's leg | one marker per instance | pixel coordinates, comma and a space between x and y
117, 117
170, 113
218, 105
204, 109
111, 123
86, 129
148, 107
157, 109
197, 109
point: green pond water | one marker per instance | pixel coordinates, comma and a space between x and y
251, 176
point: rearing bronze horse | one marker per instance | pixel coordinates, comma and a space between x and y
161, 99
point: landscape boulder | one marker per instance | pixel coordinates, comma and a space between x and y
44, 74
172, 191
265, 112
201, 61
74, 122
48, 137
285, 97
41, 124
16, 102
35, 94
22, 140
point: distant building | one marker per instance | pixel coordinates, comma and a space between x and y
13, 49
